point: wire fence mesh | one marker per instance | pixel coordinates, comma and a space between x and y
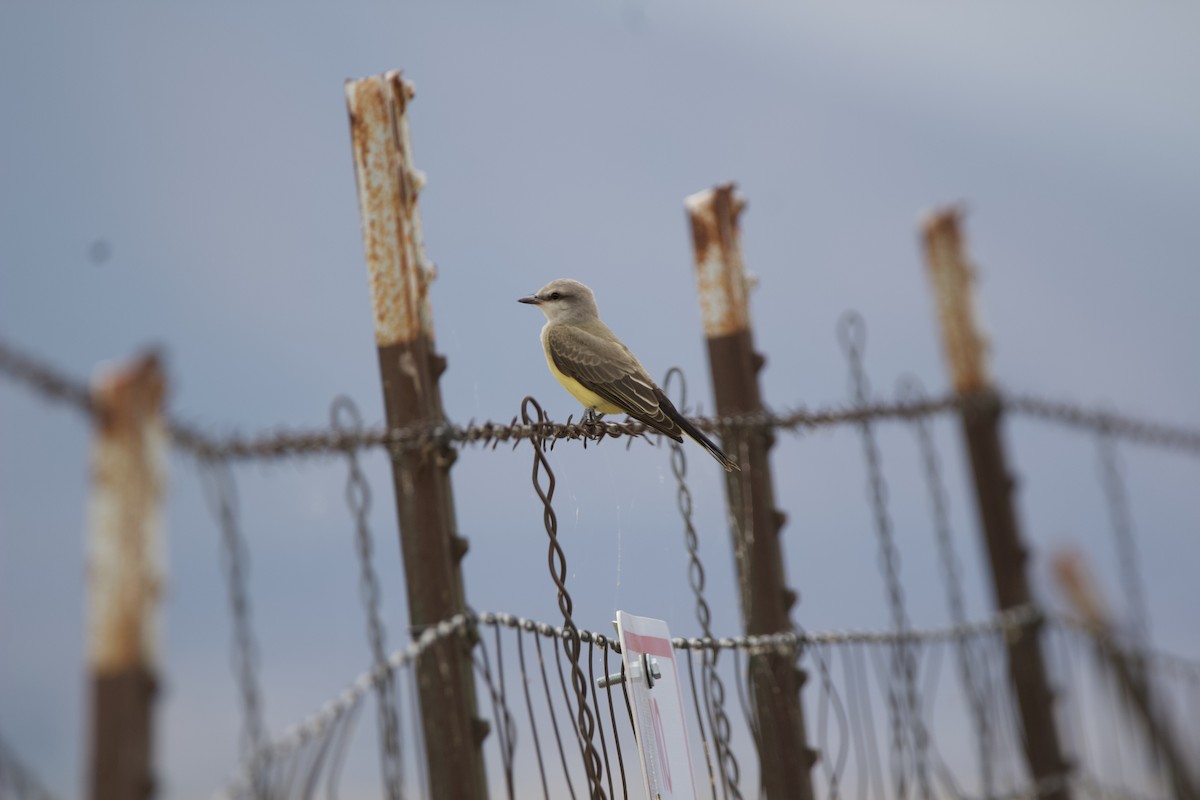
522, 667
911, 711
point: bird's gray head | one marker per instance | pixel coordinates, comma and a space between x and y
565, 300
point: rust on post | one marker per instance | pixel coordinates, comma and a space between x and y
953, 278
1080, 591
125, 576
399, 276
388, 183
720, 274
784, 755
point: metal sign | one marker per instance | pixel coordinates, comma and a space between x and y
653, 682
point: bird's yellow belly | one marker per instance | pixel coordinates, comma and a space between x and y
580, 392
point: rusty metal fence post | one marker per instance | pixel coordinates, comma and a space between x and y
125, 577
784, 756
399, 274
953, 278
1083, 596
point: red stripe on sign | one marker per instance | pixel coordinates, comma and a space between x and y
654, 645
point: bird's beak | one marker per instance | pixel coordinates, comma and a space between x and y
533, 300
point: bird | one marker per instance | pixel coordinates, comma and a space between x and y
598, 369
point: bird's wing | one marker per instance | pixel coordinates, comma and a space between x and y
607, 368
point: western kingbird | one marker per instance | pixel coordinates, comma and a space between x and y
600, 371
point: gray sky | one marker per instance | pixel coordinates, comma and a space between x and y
208, 146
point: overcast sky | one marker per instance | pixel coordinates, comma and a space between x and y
180, 174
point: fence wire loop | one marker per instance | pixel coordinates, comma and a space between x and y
533, 416
220, 491
1121, 521
852, 334
346, 419
971, 671
328, 730
713, 686
909, 741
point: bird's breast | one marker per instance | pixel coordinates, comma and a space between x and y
580, 392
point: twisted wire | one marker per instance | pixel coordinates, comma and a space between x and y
1006, 624
1117, 499
427, 437
1141, 431
714, 687
54, 384
533, 416
221, 493
906, 709
344, 416
970, 670
45, 379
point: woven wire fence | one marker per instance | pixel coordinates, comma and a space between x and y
904, 712
521, 673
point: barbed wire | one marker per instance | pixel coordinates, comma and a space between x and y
17, 780
1142, 431
46, 379
55, 385
426, 437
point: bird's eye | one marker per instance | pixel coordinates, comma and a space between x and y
556, 295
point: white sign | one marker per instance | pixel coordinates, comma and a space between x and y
658, 720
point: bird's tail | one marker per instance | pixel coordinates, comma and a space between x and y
691, 430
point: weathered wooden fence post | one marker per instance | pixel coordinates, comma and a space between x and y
399, 274
125, 577
784, 756
965, 347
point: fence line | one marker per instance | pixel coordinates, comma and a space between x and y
54, 384
321, 730
315, 749
849, 700
453, 670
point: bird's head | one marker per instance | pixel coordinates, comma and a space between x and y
564, 300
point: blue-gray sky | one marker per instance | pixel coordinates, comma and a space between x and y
207, 145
